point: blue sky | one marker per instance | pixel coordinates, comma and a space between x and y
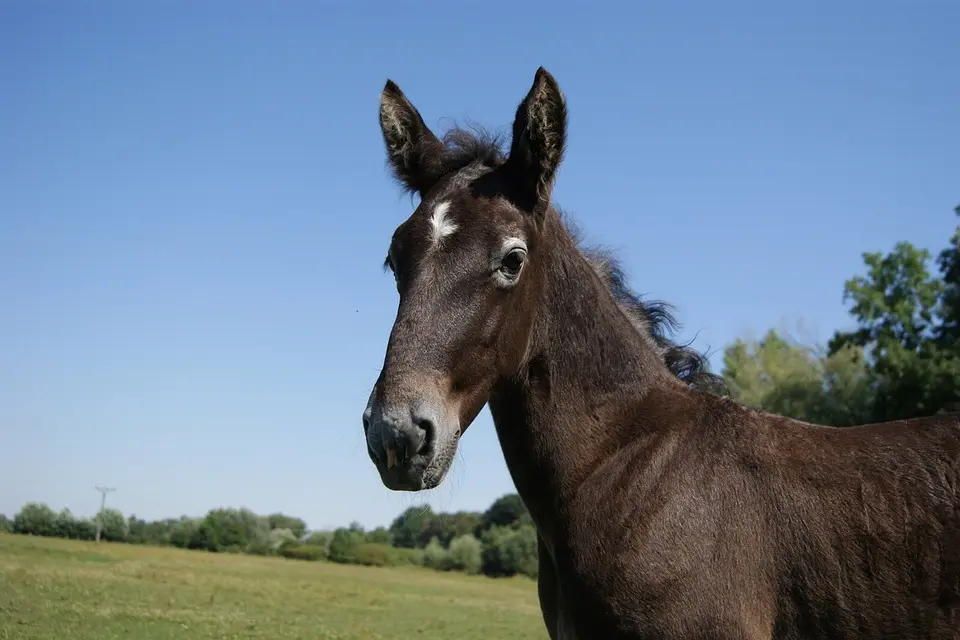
194, 211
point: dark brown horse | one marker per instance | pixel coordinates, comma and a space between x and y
664, 510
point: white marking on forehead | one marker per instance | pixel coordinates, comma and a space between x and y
440, 225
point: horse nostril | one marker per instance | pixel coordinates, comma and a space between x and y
429, 432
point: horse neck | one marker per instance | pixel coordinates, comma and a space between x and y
586, 363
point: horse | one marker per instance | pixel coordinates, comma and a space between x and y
663, 508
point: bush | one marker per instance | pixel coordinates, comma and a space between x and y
371, 554
63, 526
320, 539
520, 549
182, 532
380, 536
343, 545
408, 557
509, 551
261, 546
466, 554
85, 529
436, 557
35, 519
280, 537
296, 551
114, 526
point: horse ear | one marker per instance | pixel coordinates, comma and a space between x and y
412, 149
539, 138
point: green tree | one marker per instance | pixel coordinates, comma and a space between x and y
415, 527
281, 521
114, 526
782, 376
495, 561
466, 553
906, 320
520, 548
436, 557
506, 511
229, 529
508, 551
85, 528
280, 537
184, 531
6, 524
343, 545
948, 333
64, 526
319, 539
380, 535
36, 519
158, 532
459, 524
136, 530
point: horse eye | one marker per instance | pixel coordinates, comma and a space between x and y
513, 261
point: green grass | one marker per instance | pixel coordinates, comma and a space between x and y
52, 588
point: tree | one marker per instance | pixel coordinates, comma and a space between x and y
6, 525
183, 532
907, 326
459, 524
380, 535
343, 545
281, 521
280, 537
320, 539
114, 526
64, 526
229, 529
520, 551
466, 554
948, 333
784, 377
508, 551
902, 359
36, 519
415, 527
507, 510
136, 530
436, 557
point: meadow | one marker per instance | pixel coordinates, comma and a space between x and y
54, 588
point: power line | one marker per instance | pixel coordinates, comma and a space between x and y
103, 501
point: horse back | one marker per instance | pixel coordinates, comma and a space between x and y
719, 517
865, 526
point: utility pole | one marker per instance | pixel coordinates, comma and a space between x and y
103, 501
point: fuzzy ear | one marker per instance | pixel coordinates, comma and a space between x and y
539, 138
412, 149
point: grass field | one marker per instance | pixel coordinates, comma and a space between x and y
52, 588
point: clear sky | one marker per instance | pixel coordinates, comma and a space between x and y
194, 210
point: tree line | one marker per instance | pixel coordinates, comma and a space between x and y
900, 360
500, 541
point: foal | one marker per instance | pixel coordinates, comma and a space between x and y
663, 510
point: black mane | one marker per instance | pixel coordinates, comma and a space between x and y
462, 148
484, 150
656, 319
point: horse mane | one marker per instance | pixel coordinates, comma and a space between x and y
654, 319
